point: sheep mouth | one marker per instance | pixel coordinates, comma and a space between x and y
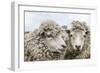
59, 51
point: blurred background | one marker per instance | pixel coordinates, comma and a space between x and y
34, 19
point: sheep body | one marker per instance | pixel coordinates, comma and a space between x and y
37, 44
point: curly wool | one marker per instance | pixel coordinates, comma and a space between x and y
35, 46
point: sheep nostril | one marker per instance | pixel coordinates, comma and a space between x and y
78, 47
63, 46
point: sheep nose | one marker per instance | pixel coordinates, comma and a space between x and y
77, 46
63, 46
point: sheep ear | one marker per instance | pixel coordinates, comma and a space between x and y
68, 31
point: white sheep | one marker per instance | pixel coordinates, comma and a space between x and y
79, 41
45, 43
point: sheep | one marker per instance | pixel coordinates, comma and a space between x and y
45, 43
79, 41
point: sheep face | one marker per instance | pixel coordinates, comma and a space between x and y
77, 38
55, 41
53, 36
